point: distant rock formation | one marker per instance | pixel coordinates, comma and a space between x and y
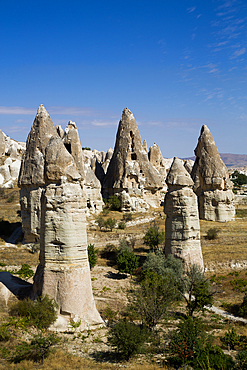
51, 177
129, 169
10, 160
182, 228
161, 164
211, 181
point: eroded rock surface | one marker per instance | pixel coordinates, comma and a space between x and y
51, 181
182, 228
211, 181
130, 169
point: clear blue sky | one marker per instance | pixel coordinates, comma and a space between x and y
176, 64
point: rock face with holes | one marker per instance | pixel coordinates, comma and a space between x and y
52, 176
129, 169
211, 181
182, 228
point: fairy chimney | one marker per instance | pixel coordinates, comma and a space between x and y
211, 181
182, 228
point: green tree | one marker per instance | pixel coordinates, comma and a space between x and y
127, 338
92, 255
110, 223
127, 261
114, 202
153, 237
152, 298
196, 289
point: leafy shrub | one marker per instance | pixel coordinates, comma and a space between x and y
11, 198
4, 333
243, 307
157, 262
212, 233
127, 338
40, 313
110, 223
92, 255
187, 341
124, 245
127, 217
153, 237
196, 289
122, 225
212, 357
152, 299
114, 202
239, 284
231, 339
242, 360
25, 271
127, 261
239, 178
37, 349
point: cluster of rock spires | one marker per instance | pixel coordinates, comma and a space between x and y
53, 205
59, 182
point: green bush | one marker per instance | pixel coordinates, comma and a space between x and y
157, 262
25, 271
110, 223
127, 217
212, 357
114, 202
109, 252
230, 339
11, 198
239, 178
243, 307
151, 300
92, 255
122, 225
212, 233
4, 333
127, 261
127, 338
242, 360
187, 341
37, 349
153, 237
40, 313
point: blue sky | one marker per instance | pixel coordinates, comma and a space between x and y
176, 64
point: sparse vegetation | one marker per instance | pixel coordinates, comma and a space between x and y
212, 233
41, 313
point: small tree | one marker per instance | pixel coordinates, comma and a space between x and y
195, 290
153, 237
115, 203
127, 338
152, 299
127, 261
92, 255
100, 222
110, 223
